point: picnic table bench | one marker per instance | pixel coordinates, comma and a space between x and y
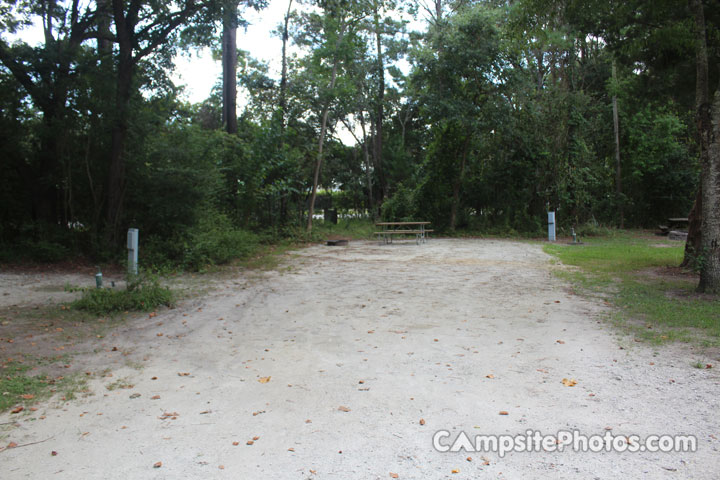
390, 229
673, 223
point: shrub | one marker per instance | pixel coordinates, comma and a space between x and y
215, 241
142, 294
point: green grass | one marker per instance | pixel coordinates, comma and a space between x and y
15, 382
18, 387
627, 270
349, 228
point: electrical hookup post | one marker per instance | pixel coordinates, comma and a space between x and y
551, 226
132, 245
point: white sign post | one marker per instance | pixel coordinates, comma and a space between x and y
551, 226
132, 245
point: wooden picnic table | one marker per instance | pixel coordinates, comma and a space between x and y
676, 222
389, 229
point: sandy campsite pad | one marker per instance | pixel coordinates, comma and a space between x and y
344, 363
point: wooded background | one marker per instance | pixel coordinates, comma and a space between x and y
599, 110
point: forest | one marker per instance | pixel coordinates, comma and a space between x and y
492, 114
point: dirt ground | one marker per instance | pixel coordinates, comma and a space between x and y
345, 361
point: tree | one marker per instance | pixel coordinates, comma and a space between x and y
708, 125
333, 35
454, 81
142, 27
229, 65
47, 74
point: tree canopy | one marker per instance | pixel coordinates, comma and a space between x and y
483, 118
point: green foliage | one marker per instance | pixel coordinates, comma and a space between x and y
347, 228
505, 114
661, 175
142, 294
214, 241
401, 207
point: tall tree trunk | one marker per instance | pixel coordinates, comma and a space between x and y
229, 66
125, 72
708, 125
692, 244
116, 174
618, 165
368, 170
283, 75
104, 19
457, 183
380, 110
45, 190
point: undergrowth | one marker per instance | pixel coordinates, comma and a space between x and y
143, 294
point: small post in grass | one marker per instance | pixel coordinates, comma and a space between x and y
132, 245
551, 226
98, 278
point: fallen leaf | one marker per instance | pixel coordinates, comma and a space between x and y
183, 374
235, 444
12, 445
157, 465
53, 453
17, 409
343, 409
221, 467
308, 421
291, 449
422, 421
469, 459
708, 365
490, 376
560, 341
249, 442
159, 334
503, 412
256, 438
28, 396
394, 475
155, 397
264, 379
455, 470
569, 383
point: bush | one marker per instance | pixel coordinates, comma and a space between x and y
141, 295
401, 206
215, 241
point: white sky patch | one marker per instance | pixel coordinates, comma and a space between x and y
199, 72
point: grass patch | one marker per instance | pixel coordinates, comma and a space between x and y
636, 274
348, 228
143, 295
19, 387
